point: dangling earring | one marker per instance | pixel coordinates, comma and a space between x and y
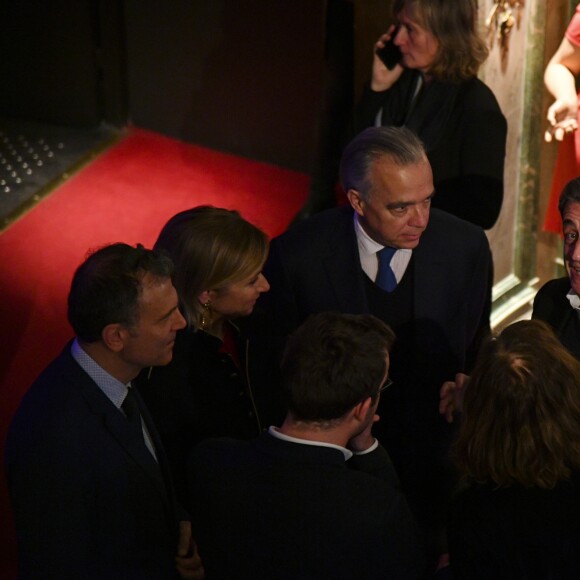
205, 319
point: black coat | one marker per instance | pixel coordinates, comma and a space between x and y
552, 306
464, 133
89, 500
315, 267
202, 393
516, 533
274, 509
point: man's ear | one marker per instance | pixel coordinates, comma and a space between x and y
114, 336
356, 201
361, 410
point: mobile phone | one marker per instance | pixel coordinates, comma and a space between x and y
390, 54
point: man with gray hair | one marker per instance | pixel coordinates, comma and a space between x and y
422, 271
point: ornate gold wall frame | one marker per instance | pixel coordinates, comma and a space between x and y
503, 16
518, 86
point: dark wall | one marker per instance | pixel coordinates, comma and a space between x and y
243, 77
62, 62
47, 61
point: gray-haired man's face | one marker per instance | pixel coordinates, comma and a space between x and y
397, 212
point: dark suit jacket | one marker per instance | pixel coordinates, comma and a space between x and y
89, 500
202, 393
315, 267
464, 133
516, 533
552, 306
273, 509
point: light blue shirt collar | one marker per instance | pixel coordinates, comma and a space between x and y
113, 388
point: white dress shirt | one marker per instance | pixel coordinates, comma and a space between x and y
368, 248
346, 452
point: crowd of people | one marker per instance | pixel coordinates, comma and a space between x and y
330, 404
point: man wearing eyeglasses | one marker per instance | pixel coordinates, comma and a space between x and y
315, 497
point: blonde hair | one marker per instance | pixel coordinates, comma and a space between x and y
211, 248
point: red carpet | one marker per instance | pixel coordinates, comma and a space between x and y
125, 195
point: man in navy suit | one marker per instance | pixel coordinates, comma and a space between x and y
315, 497
87, 475
439, 267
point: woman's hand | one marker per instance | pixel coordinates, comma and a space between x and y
562, 117
559, 78
382, 78
451, 396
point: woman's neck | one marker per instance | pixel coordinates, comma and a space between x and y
216, 328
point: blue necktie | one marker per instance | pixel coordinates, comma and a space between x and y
385, 276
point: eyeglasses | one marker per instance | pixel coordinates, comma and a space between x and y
385, 385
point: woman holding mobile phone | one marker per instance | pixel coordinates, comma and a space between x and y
424, 77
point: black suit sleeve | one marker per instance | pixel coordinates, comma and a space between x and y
479, 296
551, 304
476, 194
378, 464
407, 559
51, 492
281, 302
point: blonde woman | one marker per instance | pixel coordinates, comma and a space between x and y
206, 391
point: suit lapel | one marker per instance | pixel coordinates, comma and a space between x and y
564, 319
432, 297
345, 277
133, 445
163, 464
564, 310
114, 421
429, 267
342, 267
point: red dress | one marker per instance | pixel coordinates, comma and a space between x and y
568, 160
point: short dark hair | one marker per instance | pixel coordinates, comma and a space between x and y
520, 421
399, 144
332, 362
570, 194
106, 287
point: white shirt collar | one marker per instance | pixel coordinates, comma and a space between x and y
368, 248
364, 239
574, 299
276, 433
